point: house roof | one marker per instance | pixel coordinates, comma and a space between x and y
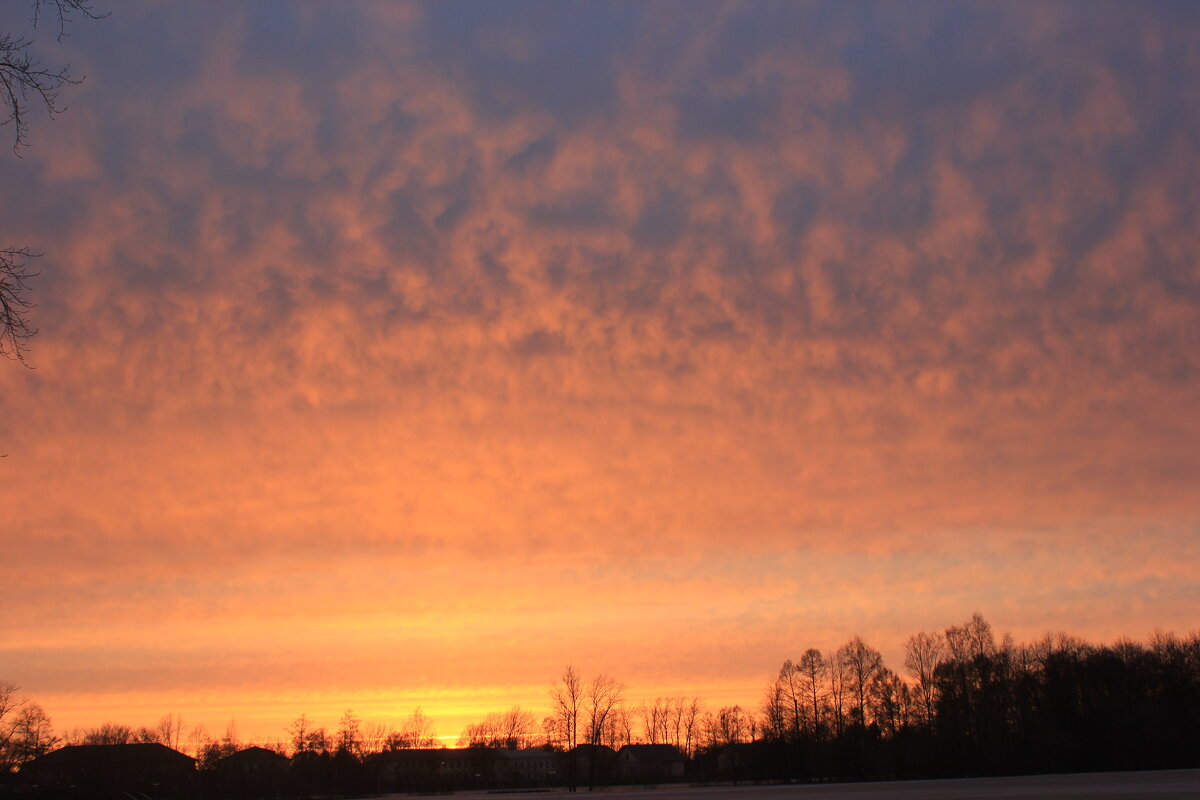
585, 749
253, 754
85, 754
646, 753
527, 755
421, 754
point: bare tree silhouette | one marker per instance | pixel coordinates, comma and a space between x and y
15, 328
26, 83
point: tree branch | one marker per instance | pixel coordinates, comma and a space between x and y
15, 330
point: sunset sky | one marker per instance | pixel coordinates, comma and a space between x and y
398, 354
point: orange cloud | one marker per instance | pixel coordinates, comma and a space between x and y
412, 356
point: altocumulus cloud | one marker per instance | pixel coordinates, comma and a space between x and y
769, 297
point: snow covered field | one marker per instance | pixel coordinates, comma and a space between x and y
1161, 785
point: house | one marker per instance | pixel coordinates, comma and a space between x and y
589, 765
98, 770
650, 763
524, 768
429, 769
444, 769
254, 772
743, 761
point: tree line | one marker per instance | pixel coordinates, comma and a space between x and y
965, 703
970, 705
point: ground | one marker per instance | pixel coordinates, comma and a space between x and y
1157, 785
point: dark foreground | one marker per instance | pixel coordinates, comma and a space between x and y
1157, 785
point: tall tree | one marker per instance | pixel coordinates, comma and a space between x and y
619, 730
416, 732
729, 726
892, 702
35, 734
15, 327
566, 697
688, 723
814, 669
306, 737
25, 730
971, 640
791, 687
349, 735
861, 665
298, 733
169, 730
513, 729
775, 712
603, 697
106, 733
922, 654
25, 81
655, 720
838, 683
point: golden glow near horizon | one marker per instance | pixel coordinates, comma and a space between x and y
395, 356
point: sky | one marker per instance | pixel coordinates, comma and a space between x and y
400, 354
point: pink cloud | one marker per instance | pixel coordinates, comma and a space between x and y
412, 342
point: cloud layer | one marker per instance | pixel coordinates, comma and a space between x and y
382, 343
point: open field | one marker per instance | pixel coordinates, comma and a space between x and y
1158, 785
